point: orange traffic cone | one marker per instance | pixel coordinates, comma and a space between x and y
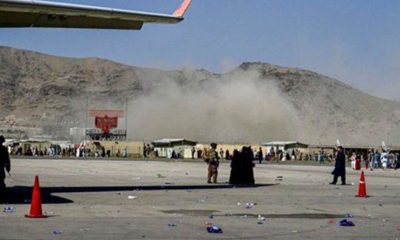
362, 189
36, 203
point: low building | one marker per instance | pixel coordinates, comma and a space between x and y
284, 145
287, 148
133, 149
174, 147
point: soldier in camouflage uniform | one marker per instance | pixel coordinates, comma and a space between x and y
211, 157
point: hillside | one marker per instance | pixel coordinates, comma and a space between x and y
256, 102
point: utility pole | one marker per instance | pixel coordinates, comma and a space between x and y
126, 118
86, 114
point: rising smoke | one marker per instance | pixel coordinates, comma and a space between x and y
234, 107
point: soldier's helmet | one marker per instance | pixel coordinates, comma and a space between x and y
213, 145
2, 139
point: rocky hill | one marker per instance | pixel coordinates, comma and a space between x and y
256, 102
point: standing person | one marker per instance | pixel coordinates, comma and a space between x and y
321, 157
221, 153
398, 161
248, 165
377, 159
260, 155
145, 151
272, 153
340, 167
391, 158
353, 160
193, 152
4, 163
236, 168
358, 162
370, 159
211, 157
384, 159
227, 155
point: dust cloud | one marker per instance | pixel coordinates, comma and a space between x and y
236, 107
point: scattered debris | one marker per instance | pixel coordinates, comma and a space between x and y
260, 218
8, 209
346, 223
172, 225
213, 228
132, 197
349, 215
250, 205
57, 232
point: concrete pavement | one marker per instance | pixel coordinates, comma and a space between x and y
91, 199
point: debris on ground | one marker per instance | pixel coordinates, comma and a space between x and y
260, 219
349, 215
346, 223
57, 232
279, 178
213, 228
8, 209
131, 197
250, 205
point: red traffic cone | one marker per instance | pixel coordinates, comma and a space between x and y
36, 203
362, 189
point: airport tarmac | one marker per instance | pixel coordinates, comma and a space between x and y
94, 199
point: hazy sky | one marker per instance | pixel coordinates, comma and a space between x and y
354, 41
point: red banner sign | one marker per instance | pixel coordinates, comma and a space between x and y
106, 123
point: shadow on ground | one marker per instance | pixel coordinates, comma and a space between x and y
22, 194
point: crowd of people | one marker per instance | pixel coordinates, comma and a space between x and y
386, 159
53, 150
